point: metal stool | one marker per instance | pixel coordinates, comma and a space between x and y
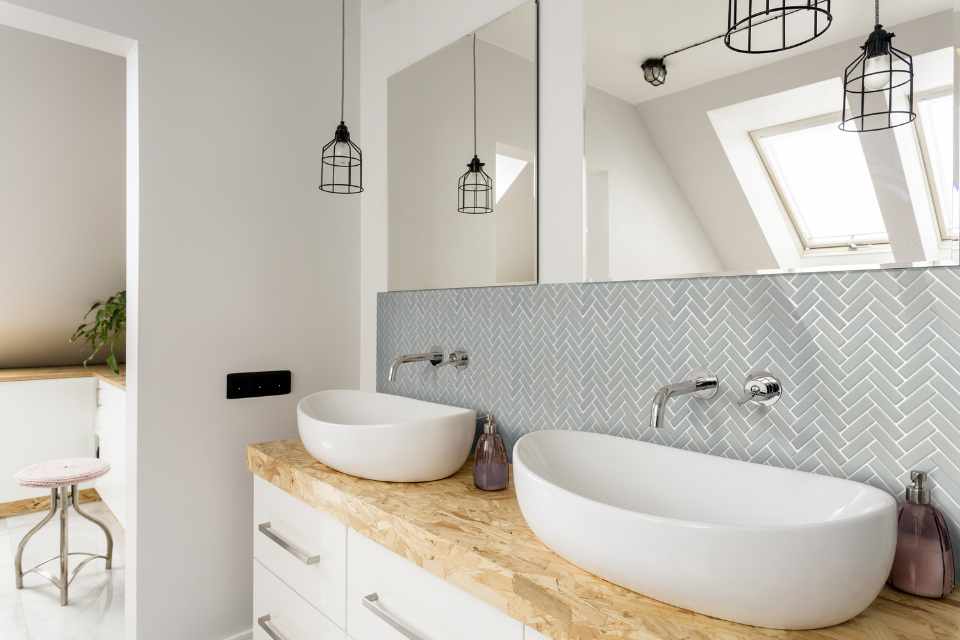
62, 478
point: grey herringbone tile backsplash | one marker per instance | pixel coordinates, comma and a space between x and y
869, 361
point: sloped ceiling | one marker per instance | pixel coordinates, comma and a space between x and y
62, 198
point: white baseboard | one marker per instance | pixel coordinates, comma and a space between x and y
243, 635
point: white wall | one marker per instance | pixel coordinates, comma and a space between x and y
652, 229
62, 120
242, 264
430, 142
517, 230
597, 226
690, 146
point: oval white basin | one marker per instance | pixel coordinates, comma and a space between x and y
744, 542
385, 437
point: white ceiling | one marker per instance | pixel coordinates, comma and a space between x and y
515, 31
621, 34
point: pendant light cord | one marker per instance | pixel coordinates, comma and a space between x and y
474, 94
878, 12
343, 52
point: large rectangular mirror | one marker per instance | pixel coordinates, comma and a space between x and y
454, 222
704, 159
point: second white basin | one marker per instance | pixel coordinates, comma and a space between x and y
744, 542
385, 437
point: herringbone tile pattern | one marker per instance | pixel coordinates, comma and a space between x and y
870, 363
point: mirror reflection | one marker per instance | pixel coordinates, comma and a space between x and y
835, 152
462, 138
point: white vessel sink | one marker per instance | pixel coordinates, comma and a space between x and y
384, 437
744, 542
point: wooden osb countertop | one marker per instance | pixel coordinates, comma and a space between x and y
480, 542
102, 372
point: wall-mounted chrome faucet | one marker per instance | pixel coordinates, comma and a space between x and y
457, 359
434, 357
702, 385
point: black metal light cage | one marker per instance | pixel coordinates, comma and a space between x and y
475, 189
341, 168
654, 71
768, 26
866, 109
341, 162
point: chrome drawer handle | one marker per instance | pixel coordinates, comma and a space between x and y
288, 546
269, 629
372, 602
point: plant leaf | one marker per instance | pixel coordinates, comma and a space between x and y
112, 363
105, 328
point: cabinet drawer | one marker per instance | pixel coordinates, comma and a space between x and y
426, 606
304, 547
277, 610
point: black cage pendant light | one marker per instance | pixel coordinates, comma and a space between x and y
878, 85
475, 187
768, 26
341, 168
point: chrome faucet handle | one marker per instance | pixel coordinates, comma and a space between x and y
459, 360
761, 388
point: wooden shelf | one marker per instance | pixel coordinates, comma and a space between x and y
59, 373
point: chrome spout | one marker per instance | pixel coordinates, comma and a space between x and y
701, 385
434, 357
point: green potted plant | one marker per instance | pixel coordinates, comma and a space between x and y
105, 330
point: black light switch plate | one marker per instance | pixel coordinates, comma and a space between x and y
254, 384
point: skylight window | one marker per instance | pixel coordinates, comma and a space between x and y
935, 129
824, 184
508, 170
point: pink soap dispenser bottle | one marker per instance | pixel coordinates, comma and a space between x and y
923, 564
491, 467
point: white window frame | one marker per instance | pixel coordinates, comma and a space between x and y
931, 178
805, 247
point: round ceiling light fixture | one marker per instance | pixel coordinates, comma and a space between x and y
654, 71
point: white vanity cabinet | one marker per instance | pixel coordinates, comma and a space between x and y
110, 426
315, 578
390, 598
281, 614
43, 420
304, 547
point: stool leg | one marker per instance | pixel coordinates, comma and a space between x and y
103, 527
18, 562
64, 548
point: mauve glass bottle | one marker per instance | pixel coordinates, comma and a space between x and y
490, 468
923, 564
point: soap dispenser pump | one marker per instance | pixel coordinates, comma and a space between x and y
924, 564
490, 468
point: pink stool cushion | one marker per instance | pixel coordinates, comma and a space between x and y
57, 473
